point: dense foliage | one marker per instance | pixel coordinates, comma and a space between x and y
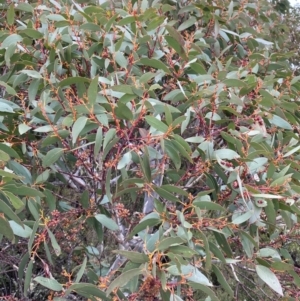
148, 151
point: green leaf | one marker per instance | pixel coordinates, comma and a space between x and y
145, 165
227, 154
247, 244
109, 135
85, 199
5, 228
32, 236
280, 122
135, 257
173, 154
207, 251
54, 243
217, 252
93, 91
205, 205
222, 280
166, 194
180, 41
11, 39
223, 243
43, 177
175, 189
9, 213
241, 218
98, 142
15, 201
21, 171
10, 151
90, 26
291, 151
123, 112
155, 64
124, 160
22, 190
143, 225
52, 156
22, 265
157, 124
234, 83
269, 278
188, 23
28, 275
169, 242
155, 23
81, 270
205, 289
73, 80
25, 7
23, 128
182, 250
267, 196
107, 185
32, 73
123, 279
106, 222
10, 15
87, 290
78, 126
189, 272
52, 284
126, 20
172, 42
20, 231
264, 42
4, 157
32, 33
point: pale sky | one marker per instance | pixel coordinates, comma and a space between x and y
293, 2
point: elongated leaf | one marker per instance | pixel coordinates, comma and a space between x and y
168, 242
15, 201
106, 222
204, 205
223, 243
28, 276
54, 243
143, 225
78, 126
108, 137
123, 279
73, 80
5, 228
22, 190
87, 290
269, 278
179, 40
93, 91
157, 124
206, 290
134, 256
98, 142
191, 273
19, 230
52, 284
9, 213
52, 156
222, 280
155, 64
81, 270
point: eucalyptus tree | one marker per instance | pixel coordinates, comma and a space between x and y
149, 151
